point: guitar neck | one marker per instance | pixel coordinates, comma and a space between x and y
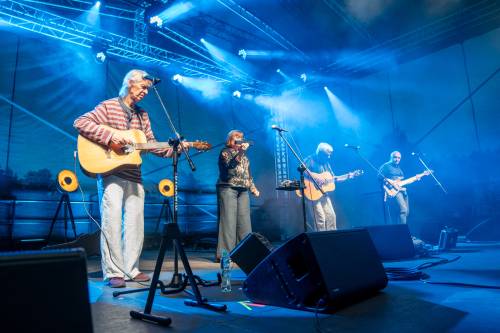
341, 177
151, 145
411, 179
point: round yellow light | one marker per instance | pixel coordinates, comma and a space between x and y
67, 181
166, 187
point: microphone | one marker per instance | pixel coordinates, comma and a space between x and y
153, 79
239, 142
351, 146
275, 127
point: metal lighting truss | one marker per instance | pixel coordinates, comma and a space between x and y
82, 6
477, 14
29, 18
263, 27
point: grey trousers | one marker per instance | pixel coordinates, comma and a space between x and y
234, 217
400, 206
324, 216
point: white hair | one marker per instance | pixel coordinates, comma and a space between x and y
324, 147
134, 75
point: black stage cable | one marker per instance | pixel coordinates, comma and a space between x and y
461, 284
415, 273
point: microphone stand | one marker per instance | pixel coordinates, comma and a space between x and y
302, 168
171, 233
380, 175
431, 173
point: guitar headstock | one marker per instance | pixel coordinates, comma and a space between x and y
427, 172
201, 145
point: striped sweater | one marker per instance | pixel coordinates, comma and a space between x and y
111, 113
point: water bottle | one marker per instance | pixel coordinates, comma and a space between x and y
225, 265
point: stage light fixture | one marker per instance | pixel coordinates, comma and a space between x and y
237, 94
100, 57
278, 70
177, 79
100, 48
156, 21
242, 53
166, 188
67, 181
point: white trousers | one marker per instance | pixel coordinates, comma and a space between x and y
121, 204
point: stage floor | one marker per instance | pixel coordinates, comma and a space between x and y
406, 306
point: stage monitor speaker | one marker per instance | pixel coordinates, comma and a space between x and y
392, 241
318, 271
251, 251
45, 291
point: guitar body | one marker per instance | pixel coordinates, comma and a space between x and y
391, 190
312, 193
327, 184
97, 159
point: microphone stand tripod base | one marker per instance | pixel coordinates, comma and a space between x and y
162, 321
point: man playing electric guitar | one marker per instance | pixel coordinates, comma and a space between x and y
391, 175
320, 168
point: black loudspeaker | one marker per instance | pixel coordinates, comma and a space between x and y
318, 271
251, 251
45, 291
392, 241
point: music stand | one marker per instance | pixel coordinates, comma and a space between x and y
66, 182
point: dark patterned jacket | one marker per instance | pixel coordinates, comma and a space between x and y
234, 169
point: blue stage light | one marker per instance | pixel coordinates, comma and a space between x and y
177, 78
242, 53
157, 21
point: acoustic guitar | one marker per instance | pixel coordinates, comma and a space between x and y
98, 159
327, 184
393, 187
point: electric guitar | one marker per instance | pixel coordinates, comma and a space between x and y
326, 182
98, 159
393, 187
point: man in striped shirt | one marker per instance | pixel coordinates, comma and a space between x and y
121, 194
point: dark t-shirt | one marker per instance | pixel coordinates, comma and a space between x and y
391, 171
